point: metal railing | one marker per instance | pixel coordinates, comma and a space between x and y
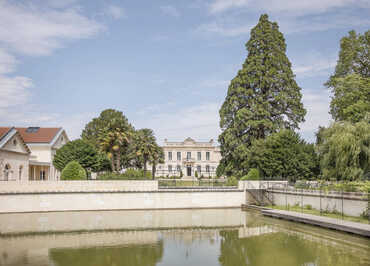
200, 183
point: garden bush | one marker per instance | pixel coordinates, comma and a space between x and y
232, 181
73, 171
253, 174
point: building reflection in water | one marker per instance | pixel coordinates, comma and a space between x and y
202, 237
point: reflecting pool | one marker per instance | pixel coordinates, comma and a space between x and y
229, 237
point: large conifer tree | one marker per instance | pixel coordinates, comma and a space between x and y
261, 99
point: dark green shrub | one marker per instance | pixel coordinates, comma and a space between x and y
253, 174
73, 171
196, 174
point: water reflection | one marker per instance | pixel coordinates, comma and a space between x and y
226, 237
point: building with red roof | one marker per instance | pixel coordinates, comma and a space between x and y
26, 153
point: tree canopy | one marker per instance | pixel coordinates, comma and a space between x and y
82, 152
262, 99
110, 133
351, 98
350, 83
284, 155
108, 120
344, 150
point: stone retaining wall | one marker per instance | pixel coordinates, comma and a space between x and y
353, 204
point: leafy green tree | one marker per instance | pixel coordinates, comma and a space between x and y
284, 155
253, 174
108, 120
82, 152
350, 83
262, 99
351, 98
344, 150
73, 171
353, 57
110, 133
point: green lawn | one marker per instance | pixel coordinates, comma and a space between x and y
323, 213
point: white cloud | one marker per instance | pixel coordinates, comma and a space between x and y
14, 91
291, 6
222, 28
287, 24
35, 30
7, 62
317, 106
314, 64
200, 122
115, 12
38, 31
170, 10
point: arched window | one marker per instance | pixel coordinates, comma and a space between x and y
20, 172
7, 172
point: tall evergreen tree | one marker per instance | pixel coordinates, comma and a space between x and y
263, 97
350, 83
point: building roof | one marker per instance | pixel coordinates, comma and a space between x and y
4, 131
38, 134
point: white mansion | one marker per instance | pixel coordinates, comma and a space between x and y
190, 158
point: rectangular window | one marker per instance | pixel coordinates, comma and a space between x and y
170, 155
199, 156
178, 168
199, 168
207, 168
179, 156
169, 168
188, 155
207, 155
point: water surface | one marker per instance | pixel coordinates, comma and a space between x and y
228, 237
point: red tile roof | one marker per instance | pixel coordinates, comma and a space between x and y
3, 131
43, 134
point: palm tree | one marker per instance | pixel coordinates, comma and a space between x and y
156, 158
146, 146
113, 142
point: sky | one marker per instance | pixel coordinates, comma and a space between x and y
165, 64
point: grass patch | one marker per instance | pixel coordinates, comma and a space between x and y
308, 210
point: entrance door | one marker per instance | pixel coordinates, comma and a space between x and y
188, 170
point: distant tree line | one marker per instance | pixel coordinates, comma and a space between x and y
109, 143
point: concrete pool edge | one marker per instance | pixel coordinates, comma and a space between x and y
326, 222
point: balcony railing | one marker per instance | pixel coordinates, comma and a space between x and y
188, 160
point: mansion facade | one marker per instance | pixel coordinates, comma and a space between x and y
189, 158
28, 153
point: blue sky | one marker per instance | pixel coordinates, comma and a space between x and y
165, 64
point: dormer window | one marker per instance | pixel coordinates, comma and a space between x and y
32, 129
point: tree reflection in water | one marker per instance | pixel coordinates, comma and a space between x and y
282, 249
133, 255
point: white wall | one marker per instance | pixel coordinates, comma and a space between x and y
352, 205
37, 186
15, 160
119, 200
20, 223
